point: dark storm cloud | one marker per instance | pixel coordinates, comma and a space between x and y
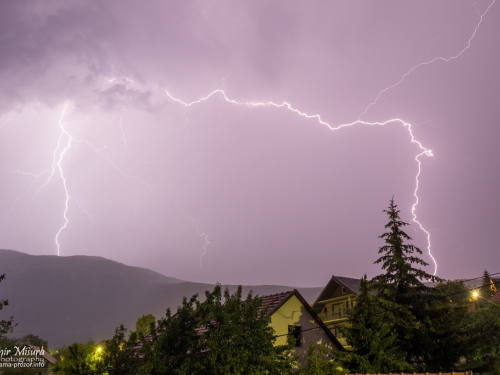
54, 51
281, 198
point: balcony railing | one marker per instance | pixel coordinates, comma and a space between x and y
343, 341
333, 316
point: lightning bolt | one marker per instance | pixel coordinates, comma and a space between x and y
317, 117
202, 235
65, 140
6, 120
452, 237
113, 164
439, 58
61, 173
413, 208
64, 144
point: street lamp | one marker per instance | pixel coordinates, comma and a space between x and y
476, 295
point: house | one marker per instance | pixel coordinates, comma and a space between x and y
38, 359
45, 354
495, 298
290, 313
332, 304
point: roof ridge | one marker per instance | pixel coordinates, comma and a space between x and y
275, 294
345, 277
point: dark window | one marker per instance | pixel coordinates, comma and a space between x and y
338, 333
295, 332
343, 290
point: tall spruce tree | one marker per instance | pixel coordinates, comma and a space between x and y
401, 283
487, 287
429, 344
370, 333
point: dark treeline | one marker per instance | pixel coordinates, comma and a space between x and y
399, 324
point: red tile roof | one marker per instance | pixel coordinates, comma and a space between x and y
274, 301
45, 355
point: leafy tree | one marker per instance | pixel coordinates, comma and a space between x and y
118, 354
457, 293
442, 343
6, 325
144, 324
481, 329
173, 339
237, 336
371, 335
77, 359
318, 360
222, 335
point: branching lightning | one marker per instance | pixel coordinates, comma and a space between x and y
63, 145
202, 235
288, 106
65, 142
113, 164
6, 120
439, 58
61, 173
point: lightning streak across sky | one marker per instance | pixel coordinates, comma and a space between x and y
202, 235
439, 58
61, 173
64, 144
317, 117
288, 106
66, 141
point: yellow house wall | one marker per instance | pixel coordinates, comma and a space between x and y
293, 313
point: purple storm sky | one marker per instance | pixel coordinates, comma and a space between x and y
221, 190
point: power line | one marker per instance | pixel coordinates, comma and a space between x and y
440, 285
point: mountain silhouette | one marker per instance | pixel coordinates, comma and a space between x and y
77, 298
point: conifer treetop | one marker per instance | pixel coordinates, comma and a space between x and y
401, 278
